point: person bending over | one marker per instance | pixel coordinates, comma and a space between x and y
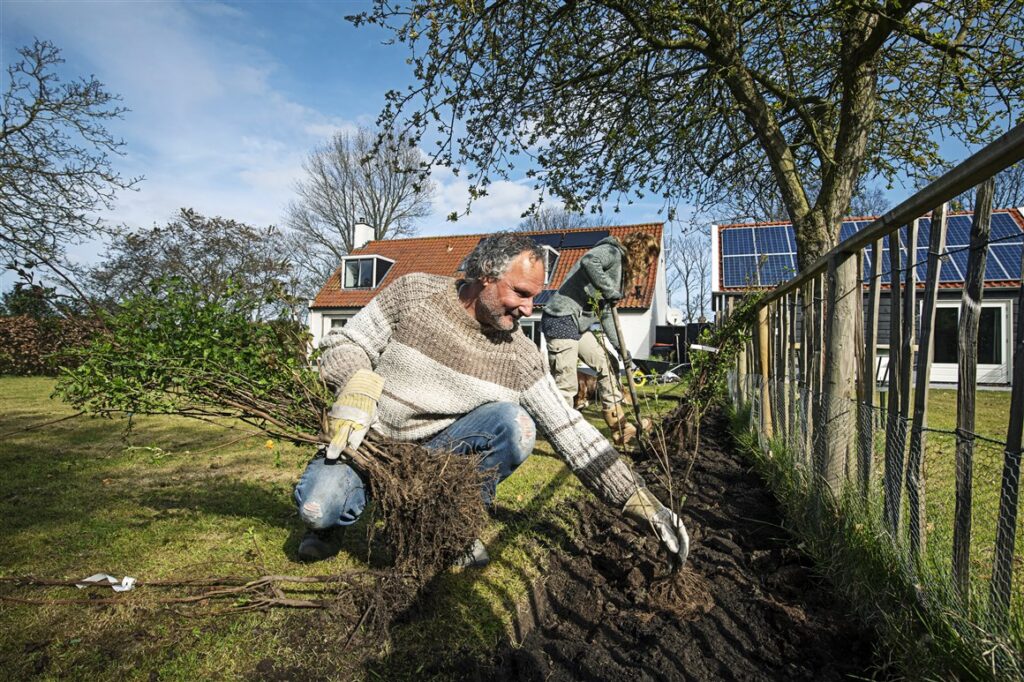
602, 277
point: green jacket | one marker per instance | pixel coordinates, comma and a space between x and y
600, 270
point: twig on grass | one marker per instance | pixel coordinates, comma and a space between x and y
42, 424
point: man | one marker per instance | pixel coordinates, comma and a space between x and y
442, 362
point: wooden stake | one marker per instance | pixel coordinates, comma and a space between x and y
925, 352
967, 379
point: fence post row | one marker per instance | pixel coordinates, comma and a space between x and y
967, 360
925, 353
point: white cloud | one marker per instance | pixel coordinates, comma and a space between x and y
206, 128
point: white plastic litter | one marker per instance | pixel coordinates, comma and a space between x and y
103, 579
697, 346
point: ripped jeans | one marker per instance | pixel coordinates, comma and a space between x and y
501, 434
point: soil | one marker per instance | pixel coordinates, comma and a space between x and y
747, 605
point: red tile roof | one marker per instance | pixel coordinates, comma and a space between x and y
443, 255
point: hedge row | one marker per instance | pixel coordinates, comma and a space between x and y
32, 347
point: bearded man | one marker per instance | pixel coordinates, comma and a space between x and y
442, 362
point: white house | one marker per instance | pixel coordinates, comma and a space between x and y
373, 266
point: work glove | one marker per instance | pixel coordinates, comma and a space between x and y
612, 297
353, 412
646, 509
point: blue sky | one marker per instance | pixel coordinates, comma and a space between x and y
227, 98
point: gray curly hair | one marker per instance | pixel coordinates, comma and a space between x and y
493, 254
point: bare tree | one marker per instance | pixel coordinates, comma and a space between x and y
55, 165
359, 177
1009, 191
554, 218
688, 273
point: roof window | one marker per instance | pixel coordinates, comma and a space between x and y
364, 272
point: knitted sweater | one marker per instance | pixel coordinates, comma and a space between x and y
438, 364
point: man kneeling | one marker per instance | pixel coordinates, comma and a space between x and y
443, 362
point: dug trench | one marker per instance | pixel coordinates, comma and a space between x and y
748, 605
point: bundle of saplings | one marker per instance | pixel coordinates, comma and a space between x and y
171, 350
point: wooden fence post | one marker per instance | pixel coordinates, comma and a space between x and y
867, 447
967, 378
894, 443
762, 346
1002, 565
794, 426
925, 351
782, 367
838, 399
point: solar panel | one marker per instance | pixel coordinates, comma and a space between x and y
1003, 227
739, 271
544, 296
738, 242
777, 268
958, 230
583, 240
848, 229
950, 270
774, 247
552, 239
1009, 255
773, 239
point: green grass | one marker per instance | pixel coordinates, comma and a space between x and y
176, 498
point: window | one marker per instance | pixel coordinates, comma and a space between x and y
990, 335
338, 322
550, 262
364, 273
532, 330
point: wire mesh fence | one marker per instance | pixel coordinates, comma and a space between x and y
913, 482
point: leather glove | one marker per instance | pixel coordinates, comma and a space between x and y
353, 412
645, 508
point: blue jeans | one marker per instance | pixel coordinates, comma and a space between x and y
501, 434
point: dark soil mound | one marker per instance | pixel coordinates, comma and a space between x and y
747, 606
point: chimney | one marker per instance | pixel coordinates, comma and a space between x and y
361, 234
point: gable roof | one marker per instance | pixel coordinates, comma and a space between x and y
443, 256
761, 255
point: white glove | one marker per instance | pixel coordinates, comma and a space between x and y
645, 508
354, 411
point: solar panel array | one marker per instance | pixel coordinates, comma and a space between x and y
570, 240
765, 255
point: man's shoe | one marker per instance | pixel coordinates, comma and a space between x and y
317, 545
474, 556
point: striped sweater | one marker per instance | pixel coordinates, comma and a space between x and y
438, 364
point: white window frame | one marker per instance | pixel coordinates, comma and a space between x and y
946, 372
376, 279
550, 255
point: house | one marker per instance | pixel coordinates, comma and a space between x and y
370, 268
754, 256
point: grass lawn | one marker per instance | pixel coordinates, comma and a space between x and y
177, 498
